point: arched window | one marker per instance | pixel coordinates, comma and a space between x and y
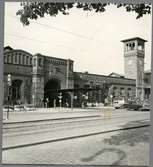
34, 62
129, 92
12, 58
40, 62
5, 59
122, 92
30, 61
140, 46
19, 58
115, 92
15, 59
23, 57
8, 58
27, 60
133, 46
130, 46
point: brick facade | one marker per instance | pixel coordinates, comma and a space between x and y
38, 78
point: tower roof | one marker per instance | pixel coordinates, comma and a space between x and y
135, 38
8, 48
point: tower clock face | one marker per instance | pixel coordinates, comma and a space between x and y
130, 62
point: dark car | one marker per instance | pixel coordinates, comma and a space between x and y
134, 106
5, 108
145, 107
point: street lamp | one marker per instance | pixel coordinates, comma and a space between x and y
9, 83
60, 99
33, 98
84, 99
73, 97
111, 96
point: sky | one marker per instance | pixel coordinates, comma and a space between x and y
92, 40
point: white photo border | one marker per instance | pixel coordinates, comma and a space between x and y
2, 8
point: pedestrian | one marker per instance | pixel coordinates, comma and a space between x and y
54, 103
67, 104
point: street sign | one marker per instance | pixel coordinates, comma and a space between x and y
60, 96
9, 79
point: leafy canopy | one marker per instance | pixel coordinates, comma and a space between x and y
35, 10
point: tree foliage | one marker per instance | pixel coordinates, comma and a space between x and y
35, 10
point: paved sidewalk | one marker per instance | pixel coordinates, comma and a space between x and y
65, 132
63, 113
51, 113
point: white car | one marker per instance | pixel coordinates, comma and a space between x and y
19, 108
118, 103
29, 108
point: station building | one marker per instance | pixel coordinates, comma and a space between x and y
39, 79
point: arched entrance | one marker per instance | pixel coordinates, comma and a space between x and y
16, 91
51, 92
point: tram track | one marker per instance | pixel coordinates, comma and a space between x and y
59, 126
72, 137
25, 134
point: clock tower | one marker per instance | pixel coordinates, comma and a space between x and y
134, 53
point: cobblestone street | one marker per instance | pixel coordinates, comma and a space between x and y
84, 137
124, 148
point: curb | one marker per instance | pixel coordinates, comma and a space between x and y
44, 120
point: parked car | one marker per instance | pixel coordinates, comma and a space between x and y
145, 107
19, 108
118, 104
5, 108
29, 107
135, 107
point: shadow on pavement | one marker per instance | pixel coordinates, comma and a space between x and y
130, 137
120, 155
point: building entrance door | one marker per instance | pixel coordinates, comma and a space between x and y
16, 91
51, 93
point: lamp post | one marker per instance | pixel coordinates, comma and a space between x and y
111, 96
84, 99
9, 83
73, 97
33, 98
60, 99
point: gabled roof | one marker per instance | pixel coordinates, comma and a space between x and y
135, 38
114, 74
